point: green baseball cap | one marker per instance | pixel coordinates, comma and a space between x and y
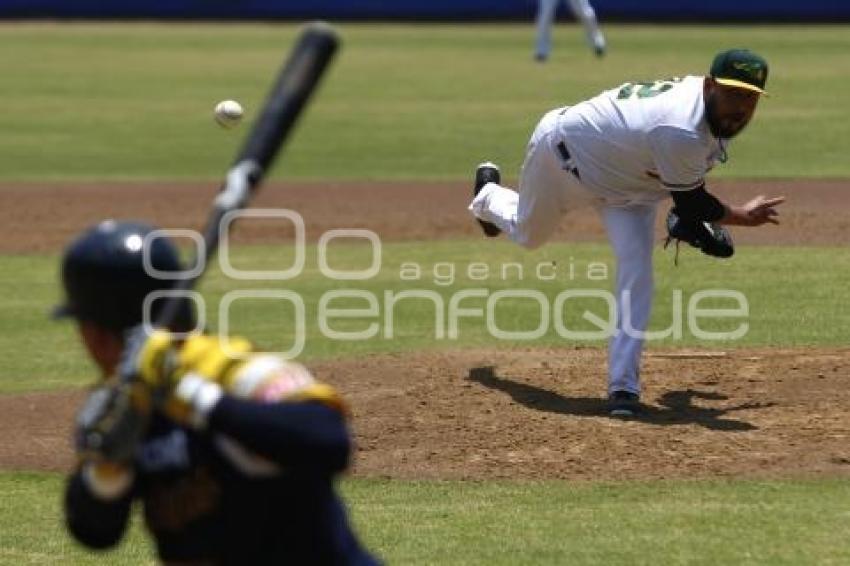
740, 68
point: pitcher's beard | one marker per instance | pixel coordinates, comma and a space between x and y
725, 128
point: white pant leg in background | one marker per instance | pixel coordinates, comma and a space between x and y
546, 192
585, 13
545, 20
631, 233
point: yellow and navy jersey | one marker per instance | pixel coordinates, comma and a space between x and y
245, 374
256, 486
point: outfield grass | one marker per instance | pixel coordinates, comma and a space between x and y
501, 523
794, 310
134, 101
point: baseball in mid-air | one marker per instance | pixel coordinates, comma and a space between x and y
228, 113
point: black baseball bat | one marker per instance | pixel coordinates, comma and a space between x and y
295, 84
107, 426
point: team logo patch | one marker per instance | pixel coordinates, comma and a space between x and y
753, 69
285, 382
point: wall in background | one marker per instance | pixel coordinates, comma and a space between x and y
636, 10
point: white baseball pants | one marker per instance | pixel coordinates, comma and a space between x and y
583, 11
529, 217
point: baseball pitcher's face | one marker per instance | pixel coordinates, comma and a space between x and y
728, 110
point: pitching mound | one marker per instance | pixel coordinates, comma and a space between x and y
540, 413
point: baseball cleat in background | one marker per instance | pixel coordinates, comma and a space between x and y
487, 172
623, 404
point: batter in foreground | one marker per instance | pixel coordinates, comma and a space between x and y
234, 454
624, 151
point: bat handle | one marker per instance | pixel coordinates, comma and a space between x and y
241, 179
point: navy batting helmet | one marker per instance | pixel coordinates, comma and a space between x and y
105, 280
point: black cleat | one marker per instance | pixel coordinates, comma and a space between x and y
623, 404
487, 173
599, 45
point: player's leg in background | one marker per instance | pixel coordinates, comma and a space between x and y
545, 21
587, 16
530, 216
631, 233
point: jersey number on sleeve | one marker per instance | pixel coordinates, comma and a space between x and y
646, 90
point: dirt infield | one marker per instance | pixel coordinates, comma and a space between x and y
41, 217
539, 413
522, 413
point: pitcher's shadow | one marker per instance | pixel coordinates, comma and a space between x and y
676, 407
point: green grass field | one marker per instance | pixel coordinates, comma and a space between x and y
134, 102
401, 102
508, 523
24, 324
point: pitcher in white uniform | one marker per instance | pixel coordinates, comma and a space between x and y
624, 151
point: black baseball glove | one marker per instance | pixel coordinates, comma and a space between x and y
711, 239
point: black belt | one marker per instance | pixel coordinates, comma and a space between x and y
568, 159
